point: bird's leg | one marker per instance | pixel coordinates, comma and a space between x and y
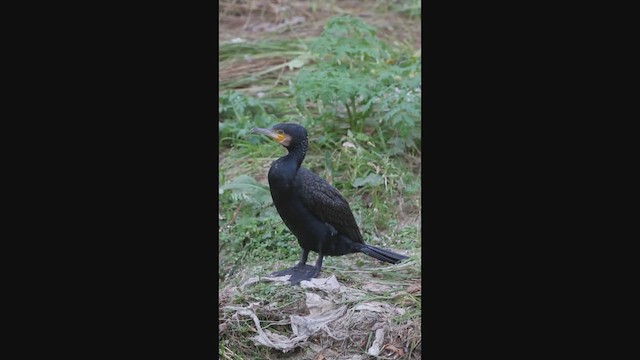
303, 258
318, 264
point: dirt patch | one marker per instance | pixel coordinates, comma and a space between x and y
260, 19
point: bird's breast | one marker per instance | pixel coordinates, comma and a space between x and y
281, 177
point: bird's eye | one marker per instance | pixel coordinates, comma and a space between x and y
279, 132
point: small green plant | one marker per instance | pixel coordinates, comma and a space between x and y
359, 78
247, 189
238, 113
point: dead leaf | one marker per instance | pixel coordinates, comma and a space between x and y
316, 304
394, 349
348, 144
415, 288
329, 284
376, 287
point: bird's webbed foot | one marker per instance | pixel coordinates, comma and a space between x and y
298, 273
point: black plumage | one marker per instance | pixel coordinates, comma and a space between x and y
314, 211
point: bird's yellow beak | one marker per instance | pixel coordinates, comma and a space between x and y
280, 138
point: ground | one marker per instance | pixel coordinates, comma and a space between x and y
364, 139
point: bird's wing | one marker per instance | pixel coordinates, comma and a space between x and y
325, 202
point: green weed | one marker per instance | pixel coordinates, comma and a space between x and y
359, 78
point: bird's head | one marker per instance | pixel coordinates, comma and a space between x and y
289, 135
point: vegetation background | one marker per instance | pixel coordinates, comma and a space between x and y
350, 72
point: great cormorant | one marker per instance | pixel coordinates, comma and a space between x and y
313, 210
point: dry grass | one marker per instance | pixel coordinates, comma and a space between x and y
395, 307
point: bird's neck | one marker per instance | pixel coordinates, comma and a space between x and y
284, 170
295, 156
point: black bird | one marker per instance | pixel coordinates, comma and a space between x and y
313, 210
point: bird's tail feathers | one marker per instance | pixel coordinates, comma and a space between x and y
382, 254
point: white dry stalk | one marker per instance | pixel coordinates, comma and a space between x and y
375, 348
